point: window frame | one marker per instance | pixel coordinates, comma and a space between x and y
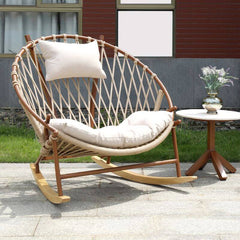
45, 7
146, 6
150, 7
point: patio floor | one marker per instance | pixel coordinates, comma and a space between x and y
107, 207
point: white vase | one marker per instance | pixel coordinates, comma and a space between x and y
212, 103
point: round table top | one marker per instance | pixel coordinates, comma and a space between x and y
201, 114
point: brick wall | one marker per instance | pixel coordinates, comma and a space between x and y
208, 28
204, 29
99, 17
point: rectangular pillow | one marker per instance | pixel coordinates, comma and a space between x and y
66, 60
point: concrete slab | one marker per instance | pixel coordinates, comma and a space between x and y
15, 226
107, 207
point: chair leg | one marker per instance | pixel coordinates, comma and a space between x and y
37, 168
57, 168
48, 192
175, 147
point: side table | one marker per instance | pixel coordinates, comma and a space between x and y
219, 162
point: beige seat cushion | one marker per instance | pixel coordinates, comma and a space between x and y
139, 128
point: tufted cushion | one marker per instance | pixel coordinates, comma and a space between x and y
139, 128
66, 60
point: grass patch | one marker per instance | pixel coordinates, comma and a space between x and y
19, 145
191, 145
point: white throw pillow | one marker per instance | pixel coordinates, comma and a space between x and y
66, 60
139, 128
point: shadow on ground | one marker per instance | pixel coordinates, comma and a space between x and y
88, 194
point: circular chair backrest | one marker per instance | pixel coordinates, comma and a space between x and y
130, 86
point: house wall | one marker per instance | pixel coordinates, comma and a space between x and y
206, 33
207, 29
180, 76
203, 29
99, 18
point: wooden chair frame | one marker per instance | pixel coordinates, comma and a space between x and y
137, 85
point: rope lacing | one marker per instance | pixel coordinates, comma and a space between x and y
20, 57
153, 75
136, 61
102, 43
15, 65
26, 49
89, 39
33, 44
14, 72
47, 147
115, 50
52, 138
15, 82
64, 37
54, 37
76, 38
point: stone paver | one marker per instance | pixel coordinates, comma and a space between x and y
107, 207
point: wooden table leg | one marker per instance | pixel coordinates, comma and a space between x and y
202, 161
211, 136
219, 162
218, 166
226, 164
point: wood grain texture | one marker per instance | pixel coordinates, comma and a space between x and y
99, 18
208, 28
144, 178
47, 191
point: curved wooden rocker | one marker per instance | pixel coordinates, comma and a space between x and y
129, 175
93, 103
48, 192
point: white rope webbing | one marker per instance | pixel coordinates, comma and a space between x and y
128, 88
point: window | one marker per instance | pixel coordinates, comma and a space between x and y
145, 27
145, 2
37, 18
60, 1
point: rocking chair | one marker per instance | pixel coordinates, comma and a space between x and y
86, 97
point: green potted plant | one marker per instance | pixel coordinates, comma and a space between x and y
214, 79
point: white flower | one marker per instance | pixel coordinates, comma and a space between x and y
223, 80
206, 71
215, 78
213, 70
221, 72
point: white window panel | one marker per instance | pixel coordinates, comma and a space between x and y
60, 1
36, 24
146, 33
18, 2
145, 1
